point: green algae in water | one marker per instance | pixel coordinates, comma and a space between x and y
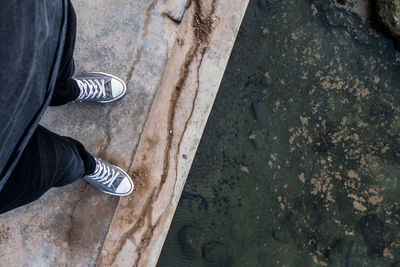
299, 162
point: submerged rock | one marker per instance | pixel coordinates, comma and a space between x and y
257, 138
380, 110
191, 240
261, 113
389, 13
215, 253
265, 5
343, 18
356, 254
323, 143
335, 250
376, 233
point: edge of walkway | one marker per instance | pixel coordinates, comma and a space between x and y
173, 131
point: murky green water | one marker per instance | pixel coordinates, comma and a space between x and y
299, 164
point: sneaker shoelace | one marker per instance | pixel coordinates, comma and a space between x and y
91, 88
104, 174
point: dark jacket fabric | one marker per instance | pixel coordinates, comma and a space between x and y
32, 39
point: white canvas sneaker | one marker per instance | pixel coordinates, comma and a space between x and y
99, 87
110, 179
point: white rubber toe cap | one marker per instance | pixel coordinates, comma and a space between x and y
118, 88
125, 187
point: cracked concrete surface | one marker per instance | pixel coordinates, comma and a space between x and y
156, 47
130, 39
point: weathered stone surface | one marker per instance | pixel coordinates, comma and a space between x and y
176, 9
65, 226
389, 13
129, 39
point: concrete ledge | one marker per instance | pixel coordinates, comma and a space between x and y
172, 132
172, 52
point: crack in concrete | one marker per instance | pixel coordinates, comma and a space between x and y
148, 234
107, 131
138, 56
105, 145
71, 228
202, 29
128, 235
191, 112
147, 20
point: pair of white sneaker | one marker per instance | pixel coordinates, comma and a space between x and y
104, 88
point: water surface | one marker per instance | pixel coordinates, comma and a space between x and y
299, 162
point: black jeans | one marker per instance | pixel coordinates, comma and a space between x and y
50, 160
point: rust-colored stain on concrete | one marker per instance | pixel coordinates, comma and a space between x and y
141, 218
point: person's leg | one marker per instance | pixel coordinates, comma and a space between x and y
98, 87
49, 160
66, 89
